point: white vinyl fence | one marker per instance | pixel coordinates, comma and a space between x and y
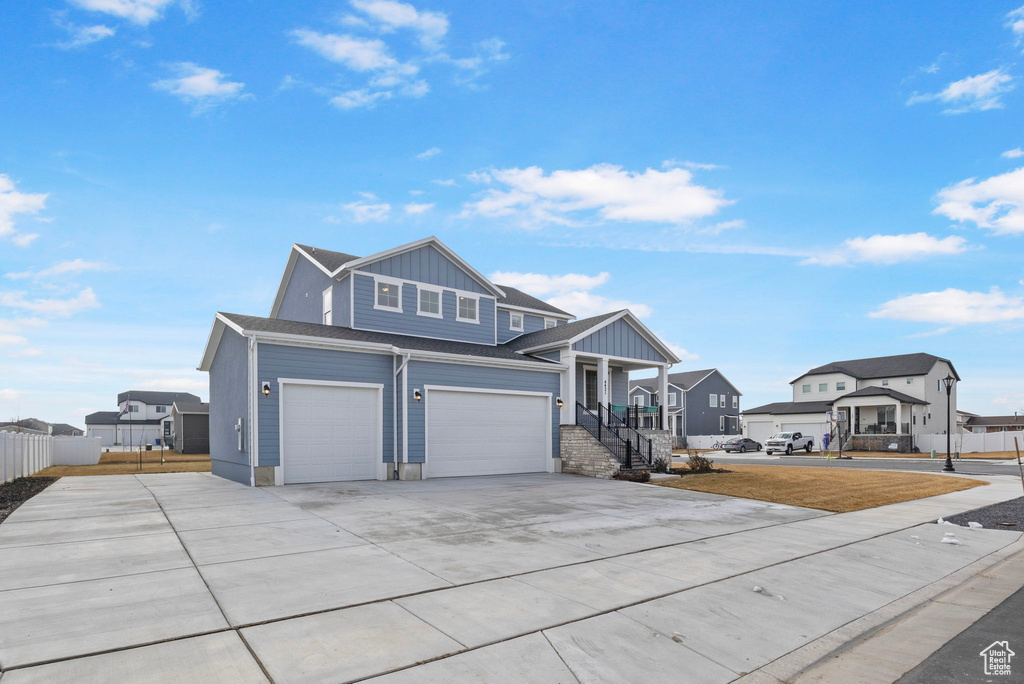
76, 450
972, 443
23, 454
707, 441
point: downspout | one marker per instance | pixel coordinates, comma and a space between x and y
248, 428
394, 423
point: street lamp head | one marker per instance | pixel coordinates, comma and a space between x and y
948, 382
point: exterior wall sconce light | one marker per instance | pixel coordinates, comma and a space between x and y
559, 403
417, 395
266, 389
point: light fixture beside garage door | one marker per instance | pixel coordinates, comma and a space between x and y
417, 395
266, 388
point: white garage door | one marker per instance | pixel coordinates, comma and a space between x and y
106, 435
478, 433
330, 433
815, 430
759, 431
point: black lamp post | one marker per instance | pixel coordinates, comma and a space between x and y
948, 383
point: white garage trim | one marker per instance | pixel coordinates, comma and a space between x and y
550, 465
282, 383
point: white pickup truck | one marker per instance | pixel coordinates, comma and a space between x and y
788, 442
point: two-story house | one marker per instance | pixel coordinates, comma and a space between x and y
899, 396
142, 417
700, 402
405, 364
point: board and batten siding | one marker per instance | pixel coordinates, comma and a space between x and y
618, 380
408, 322
622, 340
303, 296
423, 373
280, 361
229, 401
531, 324
341, 313
427, 265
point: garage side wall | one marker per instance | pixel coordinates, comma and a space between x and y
460, 375
228, 402
279, 361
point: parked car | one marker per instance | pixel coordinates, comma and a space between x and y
788, 442
742, 445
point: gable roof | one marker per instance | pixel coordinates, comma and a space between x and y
330, 261
882, 392
570, 333
162, 398
685, 380
981, 421
784, 407
190, 407
882, 366
516, 297
113, 418
63, 429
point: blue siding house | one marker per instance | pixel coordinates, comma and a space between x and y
407, 364
699, 402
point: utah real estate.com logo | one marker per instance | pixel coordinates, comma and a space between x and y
997, 658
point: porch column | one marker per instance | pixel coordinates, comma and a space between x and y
663, 390
899, 417
568, 390
603, 381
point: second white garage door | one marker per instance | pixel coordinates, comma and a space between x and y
482, 433
330, 433
760, 431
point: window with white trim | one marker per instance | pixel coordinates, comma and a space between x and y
389, 295
714, 401
132, 408
721, 401
161, 409
910, 381
823, 387
550, 323
429, 302
328, 302
468, 311
671, 398
638, 399
885, 383
840, 386
735, 401
805, 389
515, 321
721, 423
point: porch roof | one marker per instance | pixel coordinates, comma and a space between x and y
881, 392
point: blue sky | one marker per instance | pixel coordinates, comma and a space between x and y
771, 186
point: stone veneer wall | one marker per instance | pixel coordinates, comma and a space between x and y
661, 444
881, 443
583, 455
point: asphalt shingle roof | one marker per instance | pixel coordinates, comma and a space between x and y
150, 398
501, 351
783, 407
192, 407
326, 258
112, 418
684, 380
882, 366
559, 333
882, 392
996, 420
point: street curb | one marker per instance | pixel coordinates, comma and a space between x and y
802, 665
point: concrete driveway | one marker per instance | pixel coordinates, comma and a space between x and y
514, 578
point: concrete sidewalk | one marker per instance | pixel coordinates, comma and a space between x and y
515, 578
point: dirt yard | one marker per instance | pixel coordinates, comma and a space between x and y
827, 489
17, 492
127, 462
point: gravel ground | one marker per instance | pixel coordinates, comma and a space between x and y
17, 492
1007, 511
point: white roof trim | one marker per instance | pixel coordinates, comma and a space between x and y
539, 312
213, 341
632, 320
440, 246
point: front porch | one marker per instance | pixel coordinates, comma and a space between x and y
879, 421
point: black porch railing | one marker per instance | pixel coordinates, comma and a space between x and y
639, 417
628, 446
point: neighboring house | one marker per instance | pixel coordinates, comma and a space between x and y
35, 425
701, 402
408, 363
65, 430
899, 395
983, 424
142, 418
189, 427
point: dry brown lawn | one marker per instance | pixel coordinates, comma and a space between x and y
839, 490
942, 455
127, 463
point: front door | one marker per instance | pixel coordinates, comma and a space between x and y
590, 389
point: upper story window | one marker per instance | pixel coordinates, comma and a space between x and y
638, 399
823, 387
429, 302
161, 409
550, 323
132, 408
328, 300
721, 401
910, 381
468, 310
805, 389
515, 321
840, 386
735, 401
885, 383
671, 398
713, 403
388, 296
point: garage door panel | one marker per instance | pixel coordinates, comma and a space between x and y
478, 433
759, 431
815, 430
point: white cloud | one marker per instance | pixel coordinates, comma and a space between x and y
1015, 153
693, 166
13, 202
27, 352
954, 307
1015, 22
85, 300
72, 267
12, 340
541, 285
586, 304
367, 212
80, 36
996, 203
354, 99
427, 154
141, 12
413, 208
974, 93
682, 353
890, 249
200, 86
390, 15
603, 192
448, 182
358, 54
9, 394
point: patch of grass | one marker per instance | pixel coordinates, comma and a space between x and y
828, 489
17, 492
127, 463
938, 455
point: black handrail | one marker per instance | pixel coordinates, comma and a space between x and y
643, 445
623, 448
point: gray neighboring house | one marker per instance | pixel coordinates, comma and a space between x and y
700, 402
143, 416
189, 427
35, 425
983, 424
